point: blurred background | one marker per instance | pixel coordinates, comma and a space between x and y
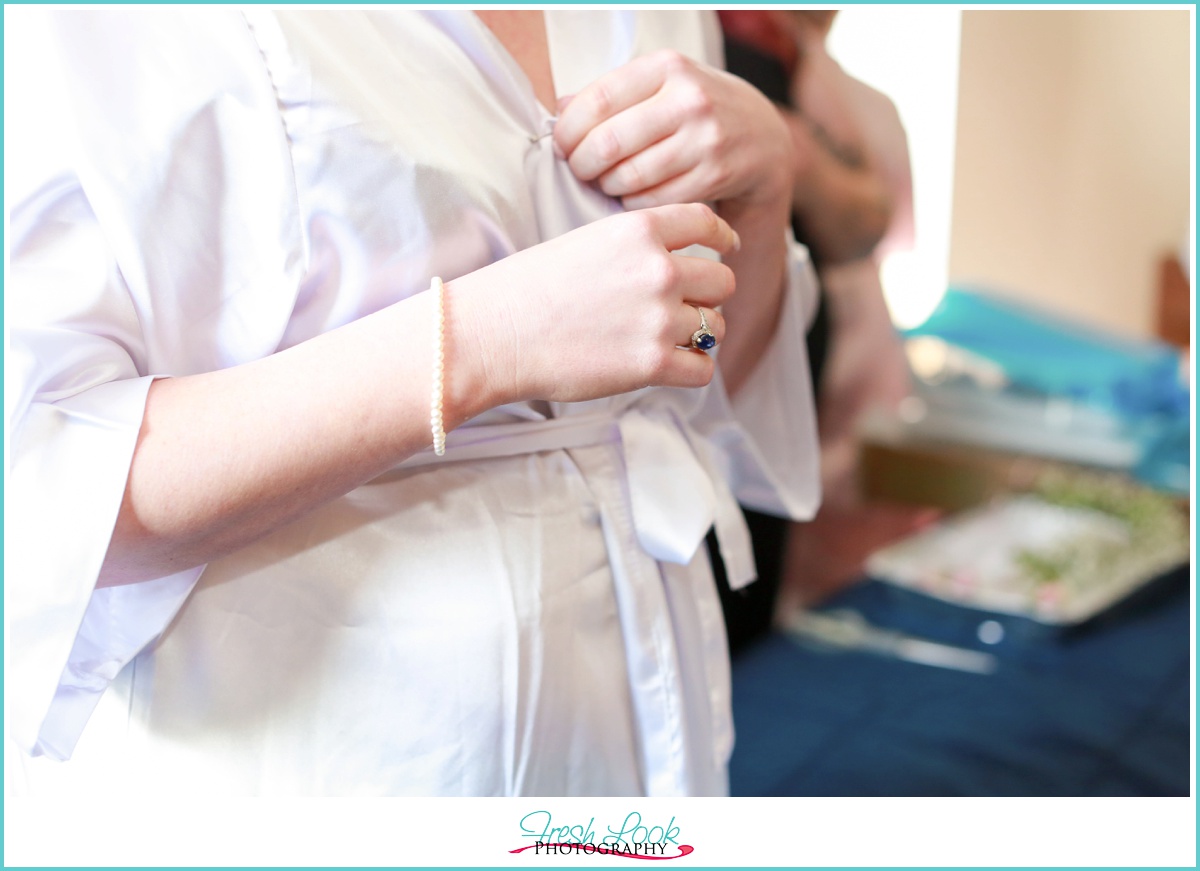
1051, 150
1073, 148
996, 598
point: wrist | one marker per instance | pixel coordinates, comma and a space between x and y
765, 216
773, 186
480, 373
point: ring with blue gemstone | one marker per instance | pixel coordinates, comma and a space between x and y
703, 338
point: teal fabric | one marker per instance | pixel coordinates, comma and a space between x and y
1137, 381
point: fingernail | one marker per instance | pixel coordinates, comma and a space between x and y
737, 240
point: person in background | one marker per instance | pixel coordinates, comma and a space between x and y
851, 205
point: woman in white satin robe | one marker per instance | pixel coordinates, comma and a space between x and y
532, 613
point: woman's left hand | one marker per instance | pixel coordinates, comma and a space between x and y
666, 129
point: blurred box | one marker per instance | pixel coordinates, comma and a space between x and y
950, 477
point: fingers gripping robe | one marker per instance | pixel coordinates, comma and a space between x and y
664, 128
605, 309
621, 128
613, 93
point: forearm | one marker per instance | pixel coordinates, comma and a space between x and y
226, 457
760, 266
843, 207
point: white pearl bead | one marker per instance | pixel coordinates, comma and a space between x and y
436, 423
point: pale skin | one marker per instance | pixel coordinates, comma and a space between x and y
274, 439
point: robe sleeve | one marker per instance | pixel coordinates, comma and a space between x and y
765, 437
137, 250
766, 434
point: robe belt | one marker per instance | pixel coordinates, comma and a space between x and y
676, 488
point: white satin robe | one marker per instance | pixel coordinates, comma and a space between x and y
535, 614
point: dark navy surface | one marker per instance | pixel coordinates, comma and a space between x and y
1097, 709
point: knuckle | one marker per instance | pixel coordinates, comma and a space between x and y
580, 164
719, 176
712, 139
608, 146
664, 273
602, 99
706, 216
643, 226
672, 60
695, 100
630, 176
658, 363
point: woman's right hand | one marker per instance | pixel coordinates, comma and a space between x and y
598, 311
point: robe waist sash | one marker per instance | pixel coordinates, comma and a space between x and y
677, 491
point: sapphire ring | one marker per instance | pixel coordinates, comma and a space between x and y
703, 338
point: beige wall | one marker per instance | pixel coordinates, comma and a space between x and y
1072, 162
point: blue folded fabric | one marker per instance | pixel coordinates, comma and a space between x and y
1097, 709
1138, 381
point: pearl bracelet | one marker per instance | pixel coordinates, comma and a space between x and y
436, 424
